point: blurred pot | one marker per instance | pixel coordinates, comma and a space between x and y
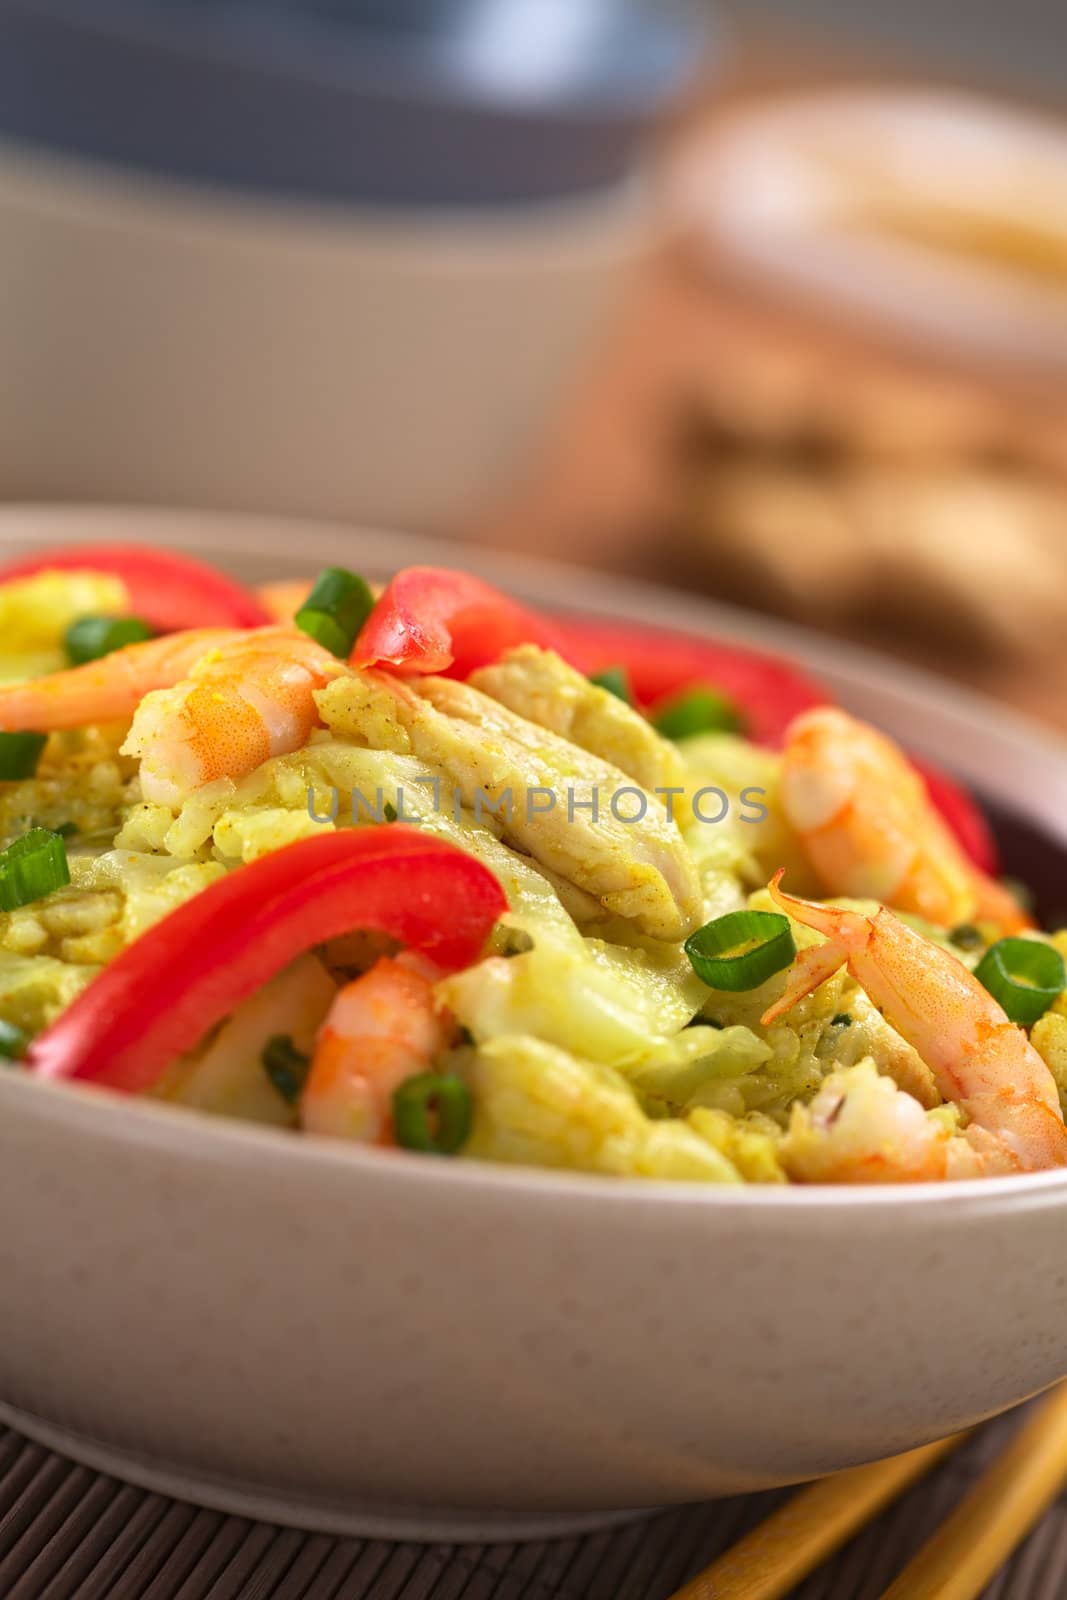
333, 258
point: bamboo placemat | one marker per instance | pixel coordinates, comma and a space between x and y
67, 1533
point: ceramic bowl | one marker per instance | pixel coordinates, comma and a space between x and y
341, 1340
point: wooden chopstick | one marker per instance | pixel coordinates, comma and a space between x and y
774, 1557
1005, 1503
955, 1564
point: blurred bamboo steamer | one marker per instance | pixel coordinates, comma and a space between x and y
881, 441
830, 480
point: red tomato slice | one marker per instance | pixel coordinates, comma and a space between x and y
170, 591
963, 816
189, 971
435, 619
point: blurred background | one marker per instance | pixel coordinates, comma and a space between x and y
766, 304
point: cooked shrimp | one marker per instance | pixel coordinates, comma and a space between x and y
862, 1128
870, 830
250, 698
981, 1061
382, 1028
107, 690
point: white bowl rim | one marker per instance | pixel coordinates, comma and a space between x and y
189, 1133
203, 1138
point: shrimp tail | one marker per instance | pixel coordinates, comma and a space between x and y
849, 929
812, 967
846, 933
107, 690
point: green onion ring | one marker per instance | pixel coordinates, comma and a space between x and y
336, 609
699, 710
741, 950
13, 1042
1024, 976
285, 1066
31, 868
432, 1113
90, 638
20, 754
616, 680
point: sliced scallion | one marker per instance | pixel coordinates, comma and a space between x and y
20, 755
89, 638
965, 936
1024, 976
285, 1066
699, 710
741, 950
616, 680
336, 609
66, 830
432, 1113
31, 867
13, 1042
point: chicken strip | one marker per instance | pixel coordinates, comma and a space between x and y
561, 805
540, 686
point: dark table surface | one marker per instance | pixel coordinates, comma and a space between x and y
67, 1532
